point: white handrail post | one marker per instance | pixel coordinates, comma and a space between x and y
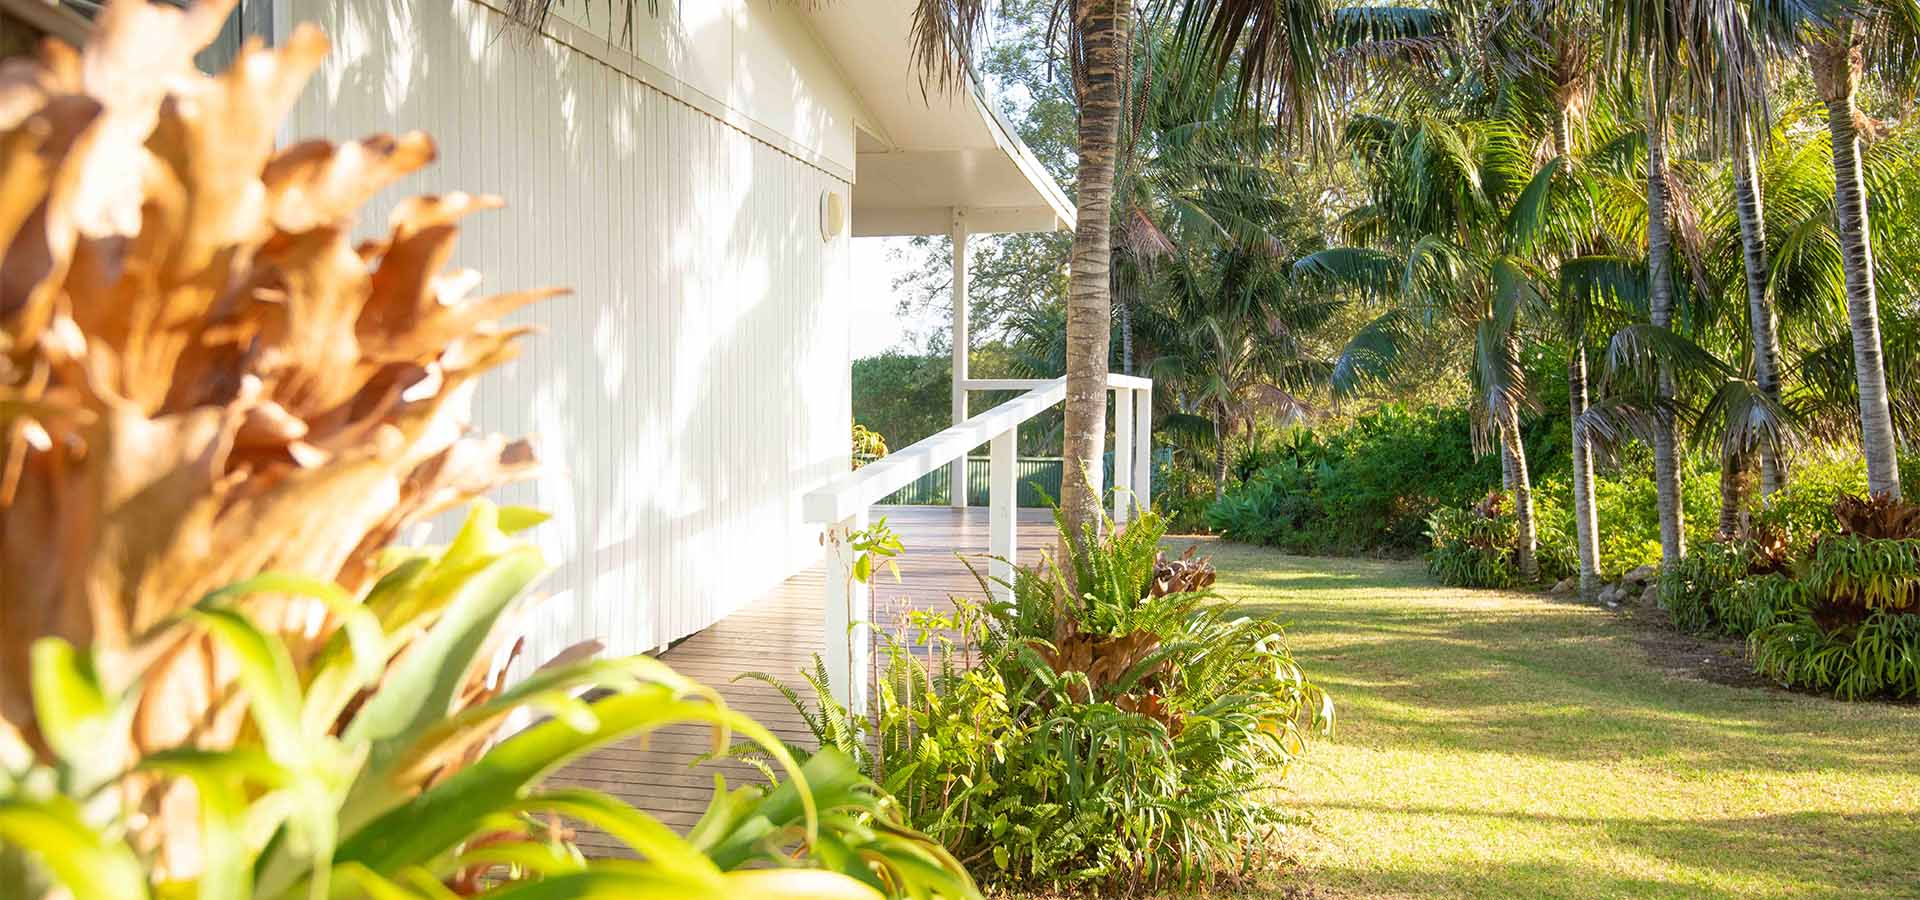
957, 474
1123, 461
1143, 449
849, 607
1003, 506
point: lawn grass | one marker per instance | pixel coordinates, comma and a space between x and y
1498, 744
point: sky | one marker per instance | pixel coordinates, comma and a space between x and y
878, 325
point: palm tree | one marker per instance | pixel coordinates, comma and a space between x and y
1449, 241
1681, 52
1882, 36
1227, 336
1277, 46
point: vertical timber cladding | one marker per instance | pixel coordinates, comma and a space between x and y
696, 383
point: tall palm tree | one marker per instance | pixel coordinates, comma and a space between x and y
1673, 54
1448, 241
1882, 36
1277, 47
1844, 41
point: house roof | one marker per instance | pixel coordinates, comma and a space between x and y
925, 152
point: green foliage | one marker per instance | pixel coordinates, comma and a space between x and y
1844, 618
1182, 493
1803, 508
364, 777
1753, 603
903, 396
1099, 737
1877, 656
1690, 589
1473, 547
1366, 488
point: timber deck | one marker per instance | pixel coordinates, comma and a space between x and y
663, 773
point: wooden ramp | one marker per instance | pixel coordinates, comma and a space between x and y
779, 634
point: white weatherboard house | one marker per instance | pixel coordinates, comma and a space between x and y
697, 183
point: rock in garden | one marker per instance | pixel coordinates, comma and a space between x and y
1642, 575
1651, 596
1563, 587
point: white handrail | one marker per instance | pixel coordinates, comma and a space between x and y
841, 504
867, 485
1114, 380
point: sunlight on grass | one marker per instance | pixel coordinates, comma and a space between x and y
1505, 745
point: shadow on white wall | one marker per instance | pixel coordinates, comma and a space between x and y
695, 383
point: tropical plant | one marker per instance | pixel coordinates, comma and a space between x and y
205, 377
369, 769
1461, 233
1277, 47
868, 445
1124, 735
1844, 43
1227, 337
1365, 488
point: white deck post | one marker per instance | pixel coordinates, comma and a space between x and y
1123, 461
848, 611
959, 470
1143, 449
1003, 512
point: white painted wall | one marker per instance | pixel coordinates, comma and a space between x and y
696, 384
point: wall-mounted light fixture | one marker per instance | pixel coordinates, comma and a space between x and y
833, 215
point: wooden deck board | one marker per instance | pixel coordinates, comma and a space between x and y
779, 634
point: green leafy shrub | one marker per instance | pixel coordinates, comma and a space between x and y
1116, 735
1876, 656
1182, 494
1847, 620
1364, 489
369, 775
1691, 588
1755, 602
1803, 508
1473, 547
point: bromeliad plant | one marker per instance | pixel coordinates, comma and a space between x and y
1840, 614
1124, 735
368, 770
205, 378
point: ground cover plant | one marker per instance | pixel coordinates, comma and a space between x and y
1125, 736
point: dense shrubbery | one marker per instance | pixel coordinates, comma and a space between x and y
1126, 736
1839, 613
1365, 489
1182, 494
1474, 547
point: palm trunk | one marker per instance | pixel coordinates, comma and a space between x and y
1586, 522
1219, 458
1526, 544
1666, 461
1836, 74
1733, 492
1126, 291
1102, 25
1763, 322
